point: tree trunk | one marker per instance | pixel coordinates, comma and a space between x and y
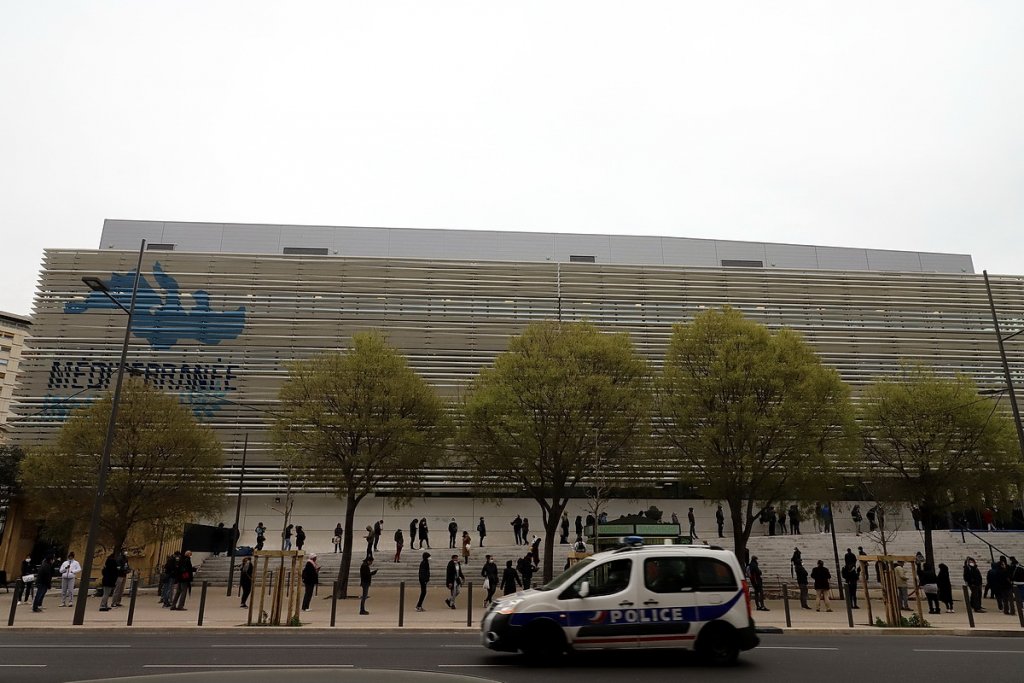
929, 549
552, 517
346, 547
740, 534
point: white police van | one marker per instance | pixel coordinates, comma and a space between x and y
669, 596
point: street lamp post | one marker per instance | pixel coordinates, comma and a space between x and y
98, 285
1000, 339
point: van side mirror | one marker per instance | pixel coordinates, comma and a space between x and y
584, 589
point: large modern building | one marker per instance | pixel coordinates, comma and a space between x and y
13, 330
224, 307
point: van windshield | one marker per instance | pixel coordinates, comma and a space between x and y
566, 576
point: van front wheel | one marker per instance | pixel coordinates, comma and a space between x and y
717, 645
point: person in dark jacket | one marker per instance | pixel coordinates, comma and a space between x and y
245, 579
424, 533
170, 578
973, 581
821, 577
414, 527
287, 536
525, 567
535, 551
300, 537
526, 529
339, 537
509, 579
929, 584
365, 578
490, 574
564, 525
108, 581
399, 544
481, 528
424, 577
517, 529
123, 570
851, 575
801, 581
579, 525
378, 529
453, 580
310, 579
945, 587
44, 582
757, 584
27, 569
453, 531
185, 575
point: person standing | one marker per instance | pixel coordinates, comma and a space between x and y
300, 537
170, 579
801, 582
424, 533
826, 518
453, 579
399, 543
123, 569
287, 540
973, 581
988, 518
579, 525
929, 584
851, 574
899, 573
525, 569
564, 526
453, 530
509, 579
310, 579
782, 518
245, 579
424, 577
467, 544
945, 587
414, 527
517, 529
693, 523
720, 521
378, 529
526, 529
185, 575
773, 519
481, 528
261, 536
27, 584
795, 560
339, 533
368, 537
857, 518
108, 580
535, 550
821, 577
68, 571
794, 519
757, 584
365, 578
44, 582
490, 574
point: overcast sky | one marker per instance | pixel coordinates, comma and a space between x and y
885, 124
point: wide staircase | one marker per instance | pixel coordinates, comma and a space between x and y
389, 573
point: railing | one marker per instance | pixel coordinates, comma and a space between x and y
992, 550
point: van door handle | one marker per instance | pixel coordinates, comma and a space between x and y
650, 602
625, 603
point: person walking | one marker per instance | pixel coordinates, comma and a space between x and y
453, 579
171, 579
526, 529
261, 536
467, 544
693, 523
801, 582
453, 530
525, 568
517, 529
339, 537
490, 573
300, 537
378, 529
44, 582
287, 540
184, 586
424, 533
310, 579
368, 537
821, 577
108, 580
973, 581
535, 550
68, 571
245, 579
414, 527
399, 542
756, 584
509, 579
720, 521
365, 578
945, 587
851, 575
123, 569
857, 518
563, 538
794, 560
424, 577
481, 528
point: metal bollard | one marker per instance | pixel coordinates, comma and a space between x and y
401, 603
334, 603
202, 602
18, 587
469, 605
132, 596
849, 608
1016, 600
785, 605
967, 604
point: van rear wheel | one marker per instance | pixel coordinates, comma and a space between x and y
544, 641
717, 645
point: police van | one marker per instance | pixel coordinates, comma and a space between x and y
669, 596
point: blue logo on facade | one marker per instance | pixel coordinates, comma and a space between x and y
160, 317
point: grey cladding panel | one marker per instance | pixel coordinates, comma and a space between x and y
128, 234
361, 241
841, 258
902, 261
645, 251
251, 239
790, 256
946, 263
740, 251
469, 244
410, 243
194, 236
689, 252
582, 245
525, 246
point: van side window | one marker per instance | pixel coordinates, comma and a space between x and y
606, 579
714, 575
667, 575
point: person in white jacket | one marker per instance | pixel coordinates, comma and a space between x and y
68, 571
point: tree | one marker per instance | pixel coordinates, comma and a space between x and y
10, 461
363, 421
563, 399
937, 443
163, 466
753, 416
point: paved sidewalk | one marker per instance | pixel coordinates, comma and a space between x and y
224, 612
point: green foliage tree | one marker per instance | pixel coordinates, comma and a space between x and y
753, 416
562, 400
363, 421
163, 466
937, 443
10, 461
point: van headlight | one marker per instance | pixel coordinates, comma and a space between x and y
508, 606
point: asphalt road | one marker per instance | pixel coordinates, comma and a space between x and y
51, 657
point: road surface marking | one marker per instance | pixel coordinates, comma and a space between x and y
469, 666
65, 645
792, 647
982, 652
248, 666
36, 666
260, 647
472, 647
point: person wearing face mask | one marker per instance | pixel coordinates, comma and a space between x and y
973, 581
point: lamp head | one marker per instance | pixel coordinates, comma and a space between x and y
95, 284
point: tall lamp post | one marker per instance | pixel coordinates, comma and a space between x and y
98, 285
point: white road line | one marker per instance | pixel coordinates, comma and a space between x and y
468, 647
261, 647
65, 646
248, 666
981, 652
793, 647
33, 666
470, 666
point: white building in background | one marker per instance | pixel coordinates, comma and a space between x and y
13, 331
